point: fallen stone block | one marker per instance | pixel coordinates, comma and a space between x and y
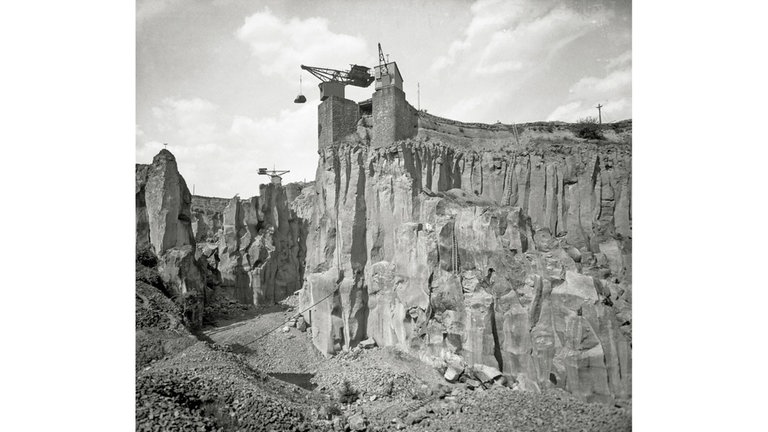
472, 384
452, 374
485, 373
500, 380
301, 324
368, 343
357, 423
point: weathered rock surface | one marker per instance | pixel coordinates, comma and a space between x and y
515, 256
167, 202
163, 225
207, 217
254, 246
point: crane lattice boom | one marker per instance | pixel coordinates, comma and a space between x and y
358, 76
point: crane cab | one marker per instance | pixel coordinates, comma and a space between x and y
360, 76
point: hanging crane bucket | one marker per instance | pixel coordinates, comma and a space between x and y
300, 98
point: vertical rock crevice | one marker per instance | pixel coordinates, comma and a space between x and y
504, 253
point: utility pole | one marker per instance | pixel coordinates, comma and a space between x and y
418, 95
599, 113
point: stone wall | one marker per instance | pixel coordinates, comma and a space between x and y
336, 118
393, 118
209, 204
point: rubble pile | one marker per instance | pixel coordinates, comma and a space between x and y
208, 389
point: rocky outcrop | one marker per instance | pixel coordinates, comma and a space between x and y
167, 202
163, 225
254, 246
207, 220
511, 253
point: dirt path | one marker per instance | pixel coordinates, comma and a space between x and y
278, 352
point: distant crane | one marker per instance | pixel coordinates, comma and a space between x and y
333, 80
275, 175
383, 61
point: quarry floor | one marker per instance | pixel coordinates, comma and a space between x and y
393, 390
278, 352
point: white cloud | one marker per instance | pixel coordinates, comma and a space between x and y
282, 45
615, 81
516, 48
221, 153
565, 111
505, 36
612, 110
508, 45
612, 90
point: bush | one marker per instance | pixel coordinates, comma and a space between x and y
150, 276
588, 128
347, 394
146, 258
333, 410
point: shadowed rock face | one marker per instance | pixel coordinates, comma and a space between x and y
167, 199
163, 224
516, 257
254, 246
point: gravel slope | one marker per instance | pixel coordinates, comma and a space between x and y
224, 385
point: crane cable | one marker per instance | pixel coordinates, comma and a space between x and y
291, 318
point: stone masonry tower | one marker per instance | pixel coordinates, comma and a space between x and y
393, 119
336, 118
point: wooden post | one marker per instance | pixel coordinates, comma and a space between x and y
599, 113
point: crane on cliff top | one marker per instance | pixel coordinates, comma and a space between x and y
357, 75
274, 175
332, 81
383, 61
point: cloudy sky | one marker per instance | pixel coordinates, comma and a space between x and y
216, 79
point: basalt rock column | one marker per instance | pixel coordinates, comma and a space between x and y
163, 223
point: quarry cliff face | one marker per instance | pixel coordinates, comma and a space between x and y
163, 225
473, 244
253, 247
251, 250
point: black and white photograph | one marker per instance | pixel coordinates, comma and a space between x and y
371, 216
377, 216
